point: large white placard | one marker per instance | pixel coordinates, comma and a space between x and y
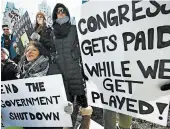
11, 17
125, 47
35, 102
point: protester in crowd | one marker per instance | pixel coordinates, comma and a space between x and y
8, 41
35, 63
8, 72
43, 33
69, 60
8, 67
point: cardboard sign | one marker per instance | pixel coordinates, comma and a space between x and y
11, 17
34, 102
24, 39
125, 49
23, 27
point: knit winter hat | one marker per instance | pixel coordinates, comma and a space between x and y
42, 14
4, 26
5, 51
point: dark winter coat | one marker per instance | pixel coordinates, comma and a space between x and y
67, 47
8, 70
9, 45
45, 38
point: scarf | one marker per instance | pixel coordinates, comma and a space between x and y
61, 27
36, 68
40, 29
63, 20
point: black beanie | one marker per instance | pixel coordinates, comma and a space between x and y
4, 26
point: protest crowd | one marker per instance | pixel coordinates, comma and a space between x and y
55, 50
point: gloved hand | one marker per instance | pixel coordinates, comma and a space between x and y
69, 109
35, 36
165, 87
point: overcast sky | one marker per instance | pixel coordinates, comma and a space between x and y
32, 6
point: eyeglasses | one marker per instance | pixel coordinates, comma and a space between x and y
61, 10
5, 29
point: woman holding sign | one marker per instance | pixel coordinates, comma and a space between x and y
69, 61
35, 63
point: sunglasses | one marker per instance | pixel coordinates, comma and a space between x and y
5, 29
61, 11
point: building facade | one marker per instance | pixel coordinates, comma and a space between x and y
43, 7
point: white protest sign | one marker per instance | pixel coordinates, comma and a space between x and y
11, 17
125, 49
34, 102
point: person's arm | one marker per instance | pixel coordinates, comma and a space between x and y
12, 66
77, 55
47, 40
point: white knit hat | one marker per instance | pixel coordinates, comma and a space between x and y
5, 51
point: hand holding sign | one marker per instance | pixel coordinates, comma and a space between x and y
125, 51
69, 109
35, 102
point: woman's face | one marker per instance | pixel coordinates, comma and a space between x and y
40, 19
31, 53
61, 13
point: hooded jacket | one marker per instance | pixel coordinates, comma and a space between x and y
67, 47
